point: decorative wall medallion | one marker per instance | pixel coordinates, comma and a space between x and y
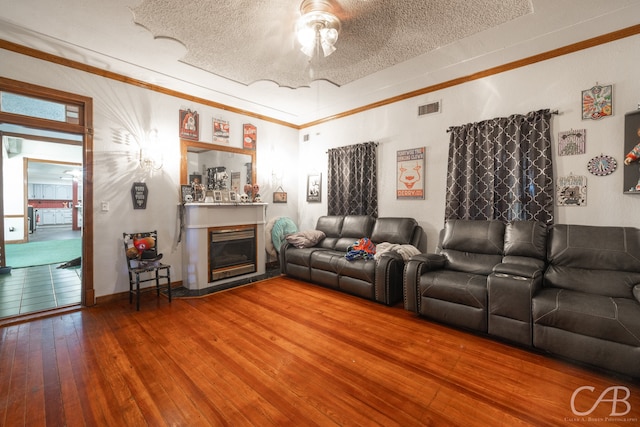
602, 165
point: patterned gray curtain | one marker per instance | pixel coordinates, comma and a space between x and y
352, 180
501, 169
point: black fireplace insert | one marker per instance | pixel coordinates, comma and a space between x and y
232, 251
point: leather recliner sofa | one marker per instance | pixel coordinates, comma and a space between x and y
571, 290
589, 306
325, 263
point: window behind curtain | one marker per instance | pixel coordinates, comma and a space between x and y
501, 169
352, 180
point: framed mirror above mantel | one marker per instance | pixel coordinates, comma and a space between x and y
197, 157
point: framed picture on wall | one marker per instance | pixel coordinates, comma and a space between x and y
279, 196
410, 173
314, 187
220, 131
189, 125
249, 136
571, 190
597, 102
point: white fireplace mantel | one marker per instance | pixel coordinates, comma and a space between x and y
198, 218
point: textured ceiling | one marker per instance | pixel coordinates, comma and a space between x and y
252, 40
239, 48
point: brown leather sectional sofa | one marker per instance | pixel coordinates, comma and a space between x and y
570, 290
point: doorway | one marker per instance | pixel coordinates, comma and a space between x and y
46, 176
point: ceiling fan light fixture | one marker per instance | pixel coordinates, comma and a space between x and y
317, 28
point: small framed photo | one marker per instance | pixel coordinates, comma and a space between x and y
186, 194
233, 196
314, 187
195, 178
189, 125
217, 196
279, 197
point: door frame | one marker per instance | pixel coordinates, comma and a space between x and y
84, 127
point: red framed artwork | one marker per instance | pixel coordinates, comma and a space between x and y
249, 136
189, 125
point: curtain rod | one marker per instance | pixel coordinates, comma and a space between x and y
554, 112
374, 143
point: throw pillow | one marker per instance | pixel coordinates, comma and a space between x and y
305, 239
636, 292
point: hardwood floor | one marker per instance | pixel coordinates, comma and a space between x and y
283, 352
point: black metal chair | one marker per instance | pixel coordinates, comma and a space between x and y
143, 263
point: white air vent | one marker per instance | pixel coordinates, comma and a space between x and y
426, 109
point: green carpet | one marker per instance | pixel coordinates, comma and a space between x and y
41, 253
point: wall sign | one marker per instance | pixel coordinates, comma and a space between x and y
597, 102
139, 193
189, 125
410, 180
250, 136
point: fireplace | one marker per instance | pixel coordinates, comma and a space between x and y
232, 251
200, 220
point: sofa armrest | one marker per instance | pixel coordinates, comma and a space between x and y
282, 256
519, 270
430, 261
510, 290
388, 278
413, 269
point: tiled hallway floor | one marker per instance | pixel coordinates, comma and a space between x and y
31, 289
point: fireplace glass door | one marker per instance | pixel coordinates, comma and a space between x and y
232, 251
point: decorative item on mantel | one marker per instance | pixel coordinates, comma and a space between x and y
251, 194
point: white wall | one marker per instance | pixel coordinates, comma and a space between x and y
283, 159
555, 84
120, 109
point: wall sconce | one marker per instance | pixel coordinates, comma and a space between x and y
150, 157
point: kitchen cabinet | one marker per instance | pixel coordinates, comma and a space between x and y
54, 216
63, 192
59, 216
47, 216
67, 216
35, 191
50, 192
